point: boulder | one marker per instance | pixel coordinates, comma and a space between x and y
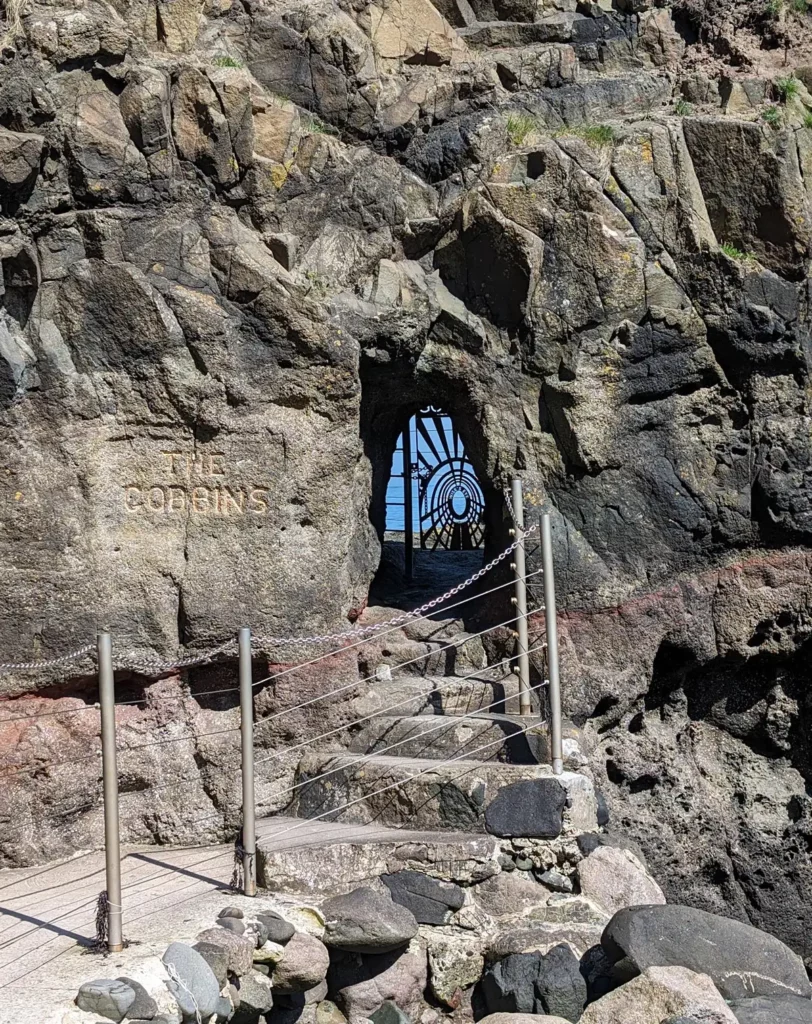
302, 964
279, 930
430, 900
216, 957
191, 981
389, 1013
254, 993
239, 949
143, 1006
19, 158
456, 962
742, 961
536, 983
361, 984
659, 993
364, 921
772, 1010
109, 998
521, 1018
532, 808
232, 924
614, 879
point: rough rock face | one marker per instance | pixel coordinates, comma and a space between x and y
241, 243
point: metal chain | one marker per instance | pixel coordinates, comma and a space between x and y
25, 666
154, 666
397, 620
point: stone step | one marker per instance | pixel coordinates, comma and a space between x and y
491, 690
298, 855
444, 736
471, 796
562, 27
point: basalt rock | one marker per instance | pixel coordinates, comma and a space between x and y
240, 246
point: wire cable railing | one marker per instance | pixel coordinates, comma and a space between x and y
344, 761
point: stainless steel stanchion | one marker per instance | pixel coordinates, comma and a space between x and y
520, 600
249, 835
552, 644
112, 848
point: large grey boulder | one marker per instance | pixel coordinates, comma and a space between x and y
535, 983
773, 1010
364, 921
741, 960
191, 981
109, 998
430, 900
301, 964
660, 993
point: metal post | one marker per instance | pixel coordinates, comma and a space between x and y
249, 838
112, 849
408, 508
552, 644
520, 600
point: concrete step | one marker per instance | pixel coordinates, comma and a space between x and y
470, 796
298, 855
444, 736
495, 691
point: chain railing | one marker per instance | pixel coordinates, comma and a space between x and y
245, 646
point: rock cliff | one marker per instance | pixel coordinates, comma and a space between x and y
241, 242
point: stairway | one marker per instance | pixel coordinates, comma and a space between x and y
453, 762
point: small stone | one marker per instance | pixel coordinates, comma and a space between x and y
231, 912
524, 864
555, 880
328, 1013
506, 863
108, 998
191, 980
144, 1006
389, 1013
365, 921
258, 930
431, 901
232, 924
302, 965
456, 962
279, 930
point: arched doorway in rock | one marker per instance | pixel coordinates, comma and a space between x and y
435, 508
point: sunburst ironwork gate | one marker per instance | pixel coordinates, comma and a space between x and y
450, 502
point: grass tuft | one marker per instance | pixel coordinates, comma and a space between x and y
682, 107
12, 12
519, 126
788, 87
315, 126
593, 134
808, 119
736, 254
773, 117
227, 62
